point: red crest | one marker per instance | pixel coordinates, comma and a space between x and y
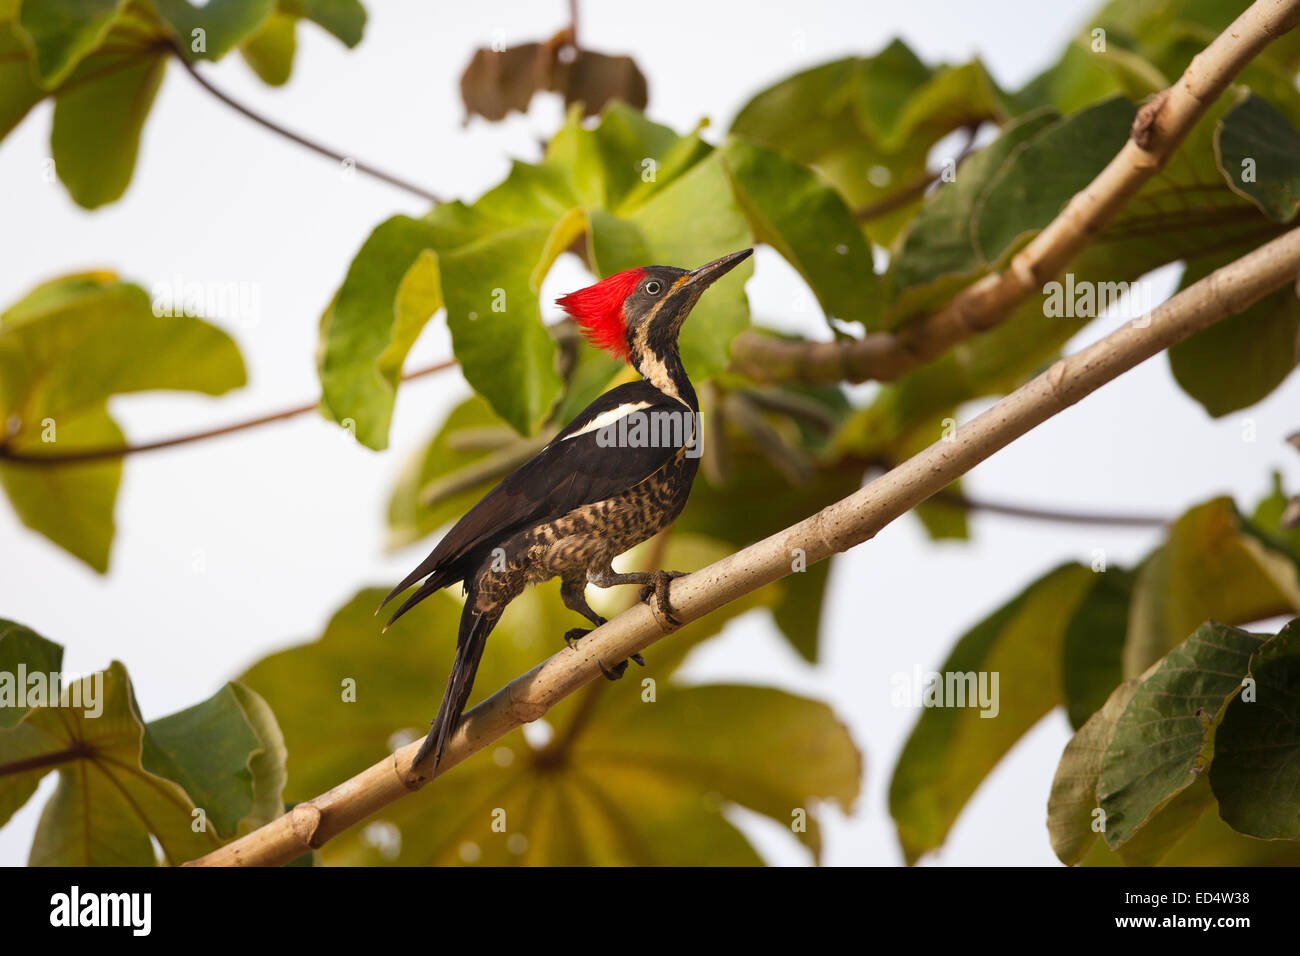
598, 310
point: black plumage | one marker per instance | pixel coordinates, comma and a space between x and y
596, 490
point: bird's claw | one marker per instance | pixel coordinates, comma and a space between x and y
573, 635
659, 590
612, 673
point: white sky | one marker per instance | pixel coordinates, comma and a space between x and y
229, 549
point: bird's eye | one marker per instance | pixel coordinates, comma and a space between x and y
654, 287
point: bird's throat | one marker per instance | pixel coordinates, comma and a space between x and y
664, 370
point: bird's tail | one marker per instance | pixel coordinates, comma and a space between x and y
438, 580
474, 630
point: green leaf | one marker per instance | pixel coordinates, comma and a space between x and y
1259, 154
1239, 361
121, 781
798, 612
882, 86
22, 647
817, 753
1025, 196
64, 31
107, 805
1092, 655
97, 127
805, 220
1185, 212
493, 312
627, 178
951, 98
1212, 565
72, 504
1256, 771
22, 652
939, 241
64, 350
104, 82
346, 19
1085, 75
211, 31
953, 748
634, 782
1156, 736
371, 325
19, 91
1164, 738
270, 50
868, 124
1267, 519
227, 753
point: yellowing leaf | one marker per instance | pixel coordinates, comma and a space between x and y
64, 350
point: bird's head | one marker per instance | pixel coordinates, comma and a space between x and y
636, 315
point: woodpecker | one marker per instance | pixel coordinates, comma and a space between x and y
616, 476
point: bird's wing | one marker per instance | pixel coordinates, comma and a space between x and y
579, 466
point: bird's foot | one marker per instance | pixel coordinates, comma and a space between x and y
573, 635
659, 590
612, 673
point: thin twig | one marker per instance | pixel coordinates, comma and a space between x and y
372, 171
959, 499
967, 503
836, 528
1161, 124
916, 189
120, 451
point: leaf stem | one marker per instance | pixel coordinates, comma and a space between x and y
372, 171
120, 451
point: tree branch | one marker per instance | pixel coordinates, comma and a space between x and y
1161, 124
837, 528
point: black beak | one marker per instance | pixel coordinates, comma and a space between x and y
710, 272
686, 291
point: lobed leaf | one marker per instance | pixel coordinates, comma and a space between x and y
122, 783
